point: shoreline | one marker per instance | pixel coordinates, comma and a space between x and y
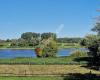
34, 48
17, 48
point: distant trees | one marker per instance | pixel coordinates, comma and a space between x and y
48, 35
45, 42
68, 40
30, 35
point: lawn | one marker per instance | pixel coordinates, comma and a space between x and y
39, 61
43, 78
31, 78
69, 45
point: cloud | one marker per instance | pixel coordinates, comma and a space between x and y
60, 28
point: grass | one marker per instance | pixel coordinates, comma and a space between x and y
50, 60
39, 61
41, 78
79, 53
69, 45
31, 78
29, 70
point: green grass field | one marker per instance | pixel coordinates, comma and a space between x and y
39, 61
69, 45
31, 78
41, 78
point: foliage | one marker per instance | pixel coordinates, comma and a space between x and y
31, 39
46, 48
38, 52
92, 42
29, 35
68, 40
78, 54
48, 35
97, 28
51, 49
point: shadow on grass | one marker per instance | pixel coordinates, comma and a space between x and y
91, 63
80, 59
78, 76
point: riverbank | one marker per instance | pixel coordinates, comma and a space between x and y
18, 48
6, 45
23, 48
39, 61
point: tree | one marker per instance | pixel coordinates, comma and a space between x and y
29, 35
92, 42
22, 43
48, 35
47, 48
8, 40
97, 28
31, 38
33, 42
51, 49
68, 40
14, 43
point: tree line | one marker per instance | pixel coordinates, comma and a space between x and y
31, 39
68, 40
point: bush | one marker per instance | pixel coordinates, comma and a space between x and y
79, 54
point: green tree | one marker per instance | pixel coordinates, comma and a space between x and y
33, 42
14, 43
92, 42
68, 40
22, 42
48, 35
48, 46
31, 38
30, 35
27, 35
97, 28
50, 49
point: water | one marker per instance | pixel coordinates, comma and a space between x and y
9, 53
67, 52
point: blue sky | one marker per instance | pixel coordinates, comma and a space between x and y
69, 18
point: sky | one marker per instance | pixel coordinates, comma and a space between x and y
66, 18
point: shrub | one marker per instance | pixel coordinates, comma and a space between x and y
79, 54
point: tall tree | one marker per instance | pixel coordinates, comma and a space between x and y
27, 35
97, 28
48, 35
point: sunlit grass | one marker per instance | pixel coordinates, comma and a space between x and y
21, 70
31, 78
39, 61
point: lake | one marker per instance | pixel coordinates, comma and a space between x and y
10, 53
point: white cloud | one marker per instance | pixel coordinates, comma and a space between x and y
59, 29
